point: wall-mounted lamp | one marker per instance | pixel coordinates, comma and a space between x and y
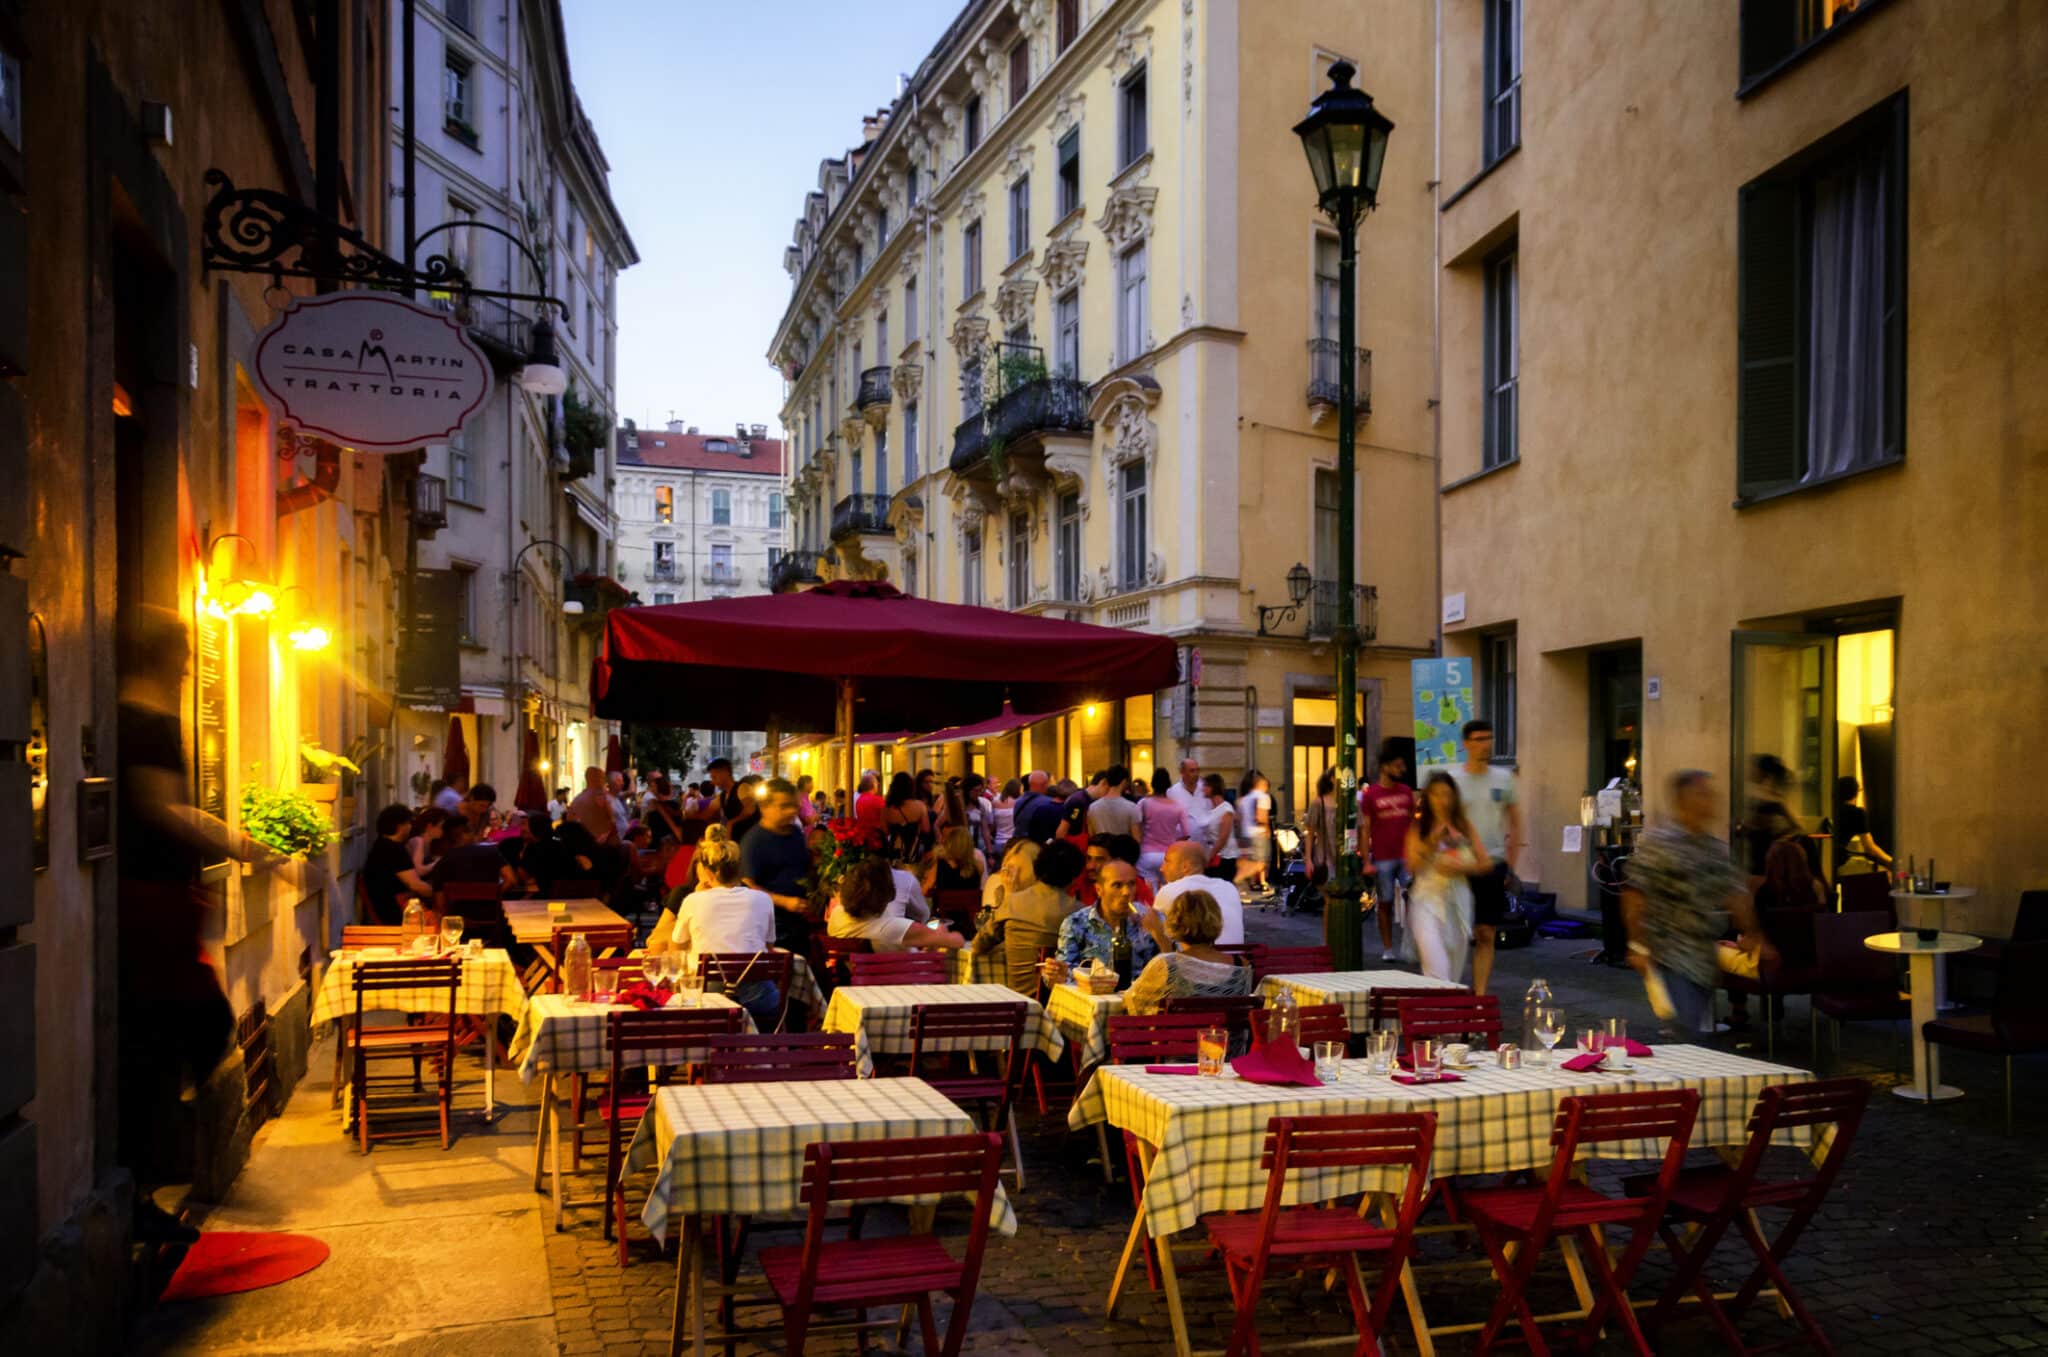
302, 631
228, 587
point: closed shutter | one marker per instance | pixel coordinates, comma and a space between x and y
1770, 32
1894, 418
1768, 401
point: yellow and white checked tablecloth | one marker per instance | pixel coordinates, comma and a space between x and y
739, 1148
987, 969
567, 1036
490, 984
1352, 989
879, 1018
1083, 1019
1209, 1131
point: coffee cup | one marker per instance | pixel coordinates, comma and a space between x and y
1457, 1053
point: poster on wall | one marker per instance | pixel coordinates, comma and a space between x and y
1444, 702
371, 371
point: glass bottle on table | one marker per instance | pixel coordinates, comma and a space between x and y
1285, 1024
414, 926
1120, 955
576, 967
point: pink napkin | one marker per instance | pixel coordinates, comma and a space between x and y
1277, 1062
1585, 1060
1445, 1078
1637, 1050
1173, 1069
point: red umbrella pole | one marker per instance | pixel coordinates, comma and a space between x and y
846, 727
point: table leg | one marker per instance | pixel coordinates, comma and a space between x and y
1170, 1282
540, 1132
1926, 1086
689, 1299
490, 1025
555, 1160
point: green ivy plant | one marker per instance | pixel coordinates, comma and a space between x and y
584, 426
294, 825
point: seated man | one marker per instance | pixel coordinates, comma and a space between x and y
1090, 935
1182, 872
1034, 907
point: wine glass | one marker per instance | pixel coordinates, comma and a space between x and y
691, 985
1549, 1029
451, 932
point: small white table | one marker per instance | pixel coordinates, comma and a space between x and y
1922, 969
1929, 909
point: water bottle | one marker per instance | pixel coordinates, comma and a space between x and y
415, 924
1538, 996
1286, 1022
576, 967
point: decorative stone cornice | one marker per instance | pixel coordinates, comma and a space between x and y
1133, 48
1062, 262
1066, 466
851, 427
1013, 301
908, 380
1017, 163
1121, 411
1127, 218
970, 333
1066, 115
972, 205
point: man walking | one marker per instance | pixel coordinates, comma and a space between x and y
1496, 814
1187, 793
1114, 812
1682, 888
775, 861
1385, 810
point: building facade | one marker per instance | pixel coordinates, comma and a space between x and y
142, 469
1772, 486
1062, 339
701, 516
524, 524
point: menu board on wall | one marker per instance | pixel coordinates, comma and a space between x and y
1443, 691
209, 717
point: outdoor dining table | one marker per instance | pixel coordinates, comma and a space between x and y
1200, 1138
1352, 989
739, 1149
1929, 909
1923, 959
879, 1018
489, 987
1083, 1019
533, 922
987, 968
560, 1036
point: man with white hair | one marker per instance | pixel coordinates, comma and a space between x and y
1187, 793
1182, 872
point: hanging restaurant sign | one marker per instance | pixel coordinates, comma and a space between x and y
371, 371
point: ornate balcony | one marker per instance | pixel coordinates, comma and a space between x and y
874, 398
1322, 610
429, 503
1028, 404
861, 516
1324, 387
797, 568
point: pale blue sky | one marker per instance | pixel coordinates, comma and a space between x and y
714, 116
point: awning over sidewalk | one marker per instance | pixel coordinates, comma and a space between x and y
981, 730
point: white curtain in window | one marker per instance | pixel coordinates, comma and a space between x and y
1845, 336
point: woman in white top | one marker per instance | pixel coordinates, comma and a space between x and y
1255, 833
1219, 828
723, 916
866, 908
1443, 854
1004, 814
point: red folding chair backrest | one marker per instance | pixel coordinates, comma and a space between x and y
829, 956
372, 935
634, 1036
625, 970
1314, 1023
1633, 1120
1232, 1012
1475, 1017
425, 975
997, 1027
778, 1057
602, 938
1290, 961
1136, 1038
957, 906
1384, 1005
1322, 1144
1839, 1103
900, 968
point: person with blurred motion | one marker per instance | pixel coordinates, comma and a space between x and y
775, 860
1385, 810
387, 872
1493, 806
1255, 834
1162, 823
592, 807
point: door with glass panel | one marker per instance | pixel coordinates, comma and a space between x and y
1784, 704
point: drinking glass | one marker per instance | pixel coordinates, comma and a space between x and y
1210, 1046
690, 984
604, 985
1614, 1038
451, 932
1329, 1061
1428, 1054
1379, 1049
1549, 1029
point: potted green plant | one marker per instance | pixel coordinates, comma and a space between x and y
285, 820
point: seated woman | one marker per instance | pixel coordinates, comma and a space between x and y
957, 865
723, 916
1188, 964
862, 910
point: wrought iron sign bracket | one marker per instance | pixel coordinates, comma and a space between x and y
252, 230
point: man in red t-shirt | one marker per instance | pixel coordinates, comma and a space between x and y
1386, 809
868, 803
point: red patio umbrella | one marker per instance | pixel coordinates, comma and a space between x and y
533, 793
808, 661
455, 757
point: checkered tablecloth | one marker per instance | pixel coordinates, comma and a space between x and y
739, 1148
1353, 989
490, 984
879, 1018
1083, 1019
567, 1036
986, 969
1209, 1132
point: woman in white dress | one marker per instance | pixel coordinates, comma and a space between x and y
1443, 853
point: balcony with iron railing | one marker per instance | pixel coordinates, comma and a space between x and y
1324, 379
873, 397
861, 515
797, 568
429, 503
1027, 403
661, 570
1322, 610
720, 576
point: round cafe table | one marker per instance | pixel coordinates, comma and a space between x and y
1929, 909
1922, 961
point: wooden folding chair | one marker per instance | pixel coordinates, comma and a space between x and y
1713, 1197
372, 935
1288, 961
829, 959
1474, 1018
900, 968
1311, 1238
634, 1037
604, 940
934, 1026
778, 1057
1383, 1006
860, 1274
429, 982
734, 969
1525, 1219
1233, 1013
1315, 1022
688, 1026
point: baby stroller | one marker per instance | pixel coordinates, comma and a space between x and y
1294, 889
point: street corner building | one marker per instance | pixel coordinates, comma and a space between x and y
175, 181
1063, 338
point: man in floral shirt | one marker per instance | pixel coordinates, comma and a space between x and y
1682, 888
1090, 933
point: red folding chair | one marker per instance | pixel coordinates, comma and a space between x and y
952, 1031
1383, 1006
1231, 1012
372, 935
623, 970
1529, 1217
427, 980
900, 968
645, 1042
858, 1274
1312, 1238
1315, 1022
1715, 1196
1474, 1018
1289, 961
778, 1057
829, 958
603, 939
734, 969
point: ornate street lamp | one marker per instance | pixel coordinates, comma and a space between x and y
1346, 141
542, 375
1298, 582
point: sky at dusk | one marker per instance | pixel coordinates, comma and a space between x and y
714, 117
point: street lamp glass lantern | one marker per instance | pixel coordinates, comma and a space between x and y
543, 375
1298, 582
1345, 138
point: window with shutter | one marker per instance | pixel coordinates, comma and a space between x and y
1767, 417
